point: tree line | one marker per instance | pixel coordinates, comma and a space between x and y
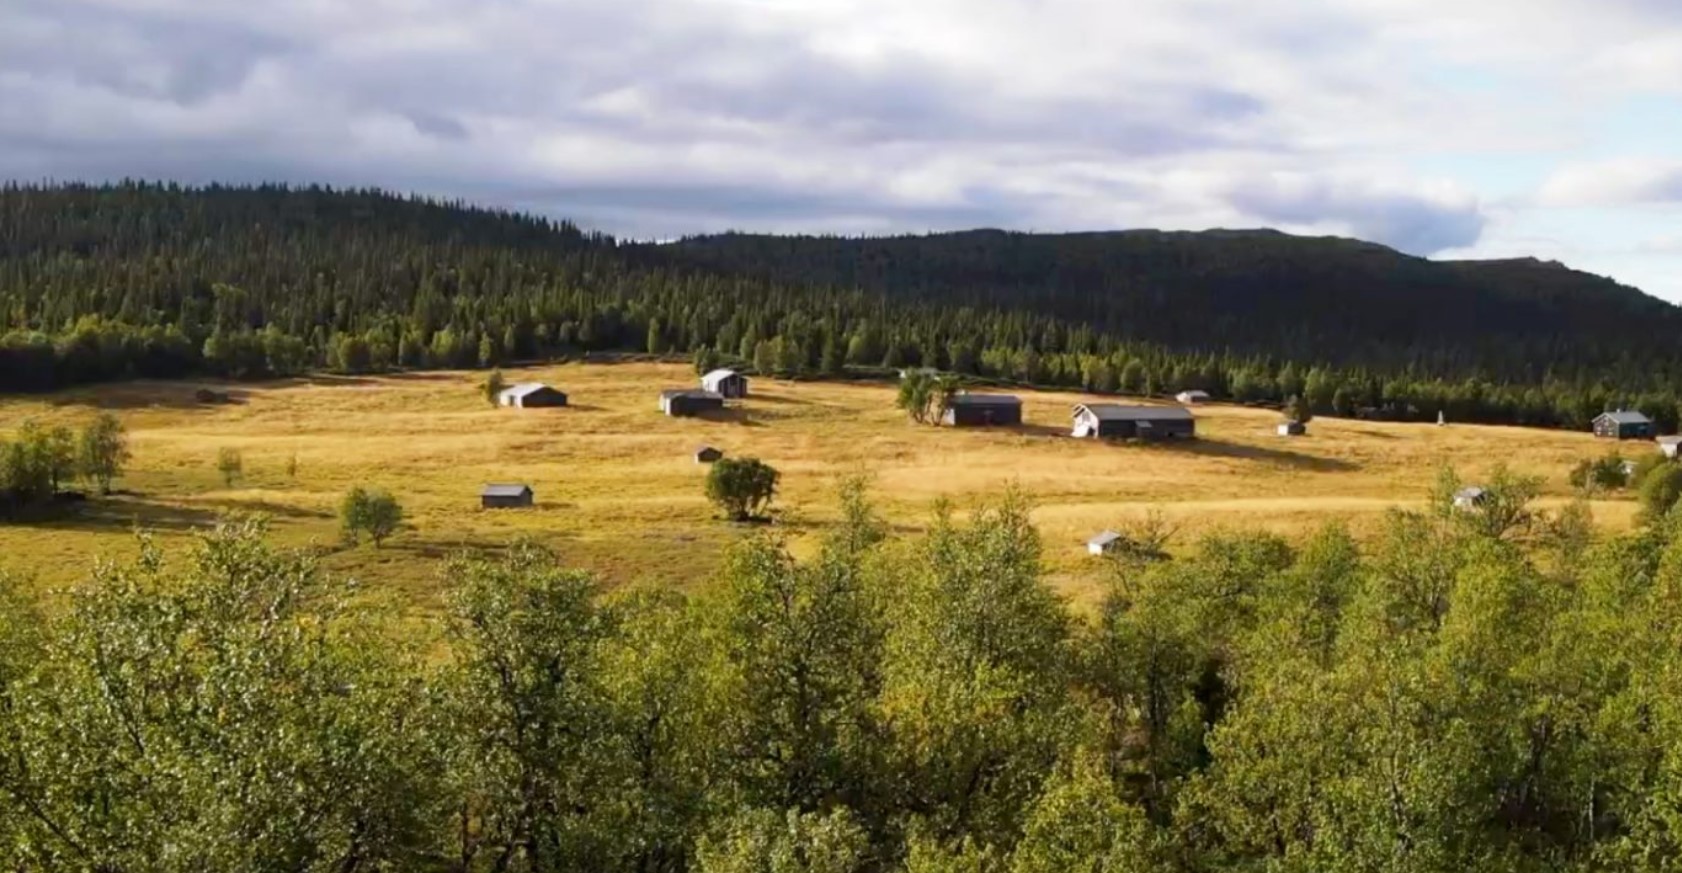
1487, 688
134, 279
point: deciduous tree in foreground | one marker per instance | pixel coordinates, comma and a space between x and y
1440, 696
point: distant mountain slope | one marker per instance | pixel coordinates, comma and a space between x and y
1258, 291
103, 282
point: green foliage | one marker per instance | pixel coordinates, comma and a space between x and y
369, 511
925, 396
1442, 697
532, 765
1608, 473
1297, 409
104, 451
1660, 491
742, 487
762, 841
231, 464
706, 360
230, 715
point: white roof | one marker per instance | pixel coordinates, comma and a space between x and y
523, 389
1104, 538
1472, 493
719, 374
1195, 392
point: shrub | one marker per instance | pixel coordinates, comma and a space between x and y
742, 487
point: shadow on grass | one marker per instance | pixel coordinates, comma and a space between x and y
120, 515
153, 395
737, 415
422, 376
778, 399
263, 507
1040, 430
1282, 457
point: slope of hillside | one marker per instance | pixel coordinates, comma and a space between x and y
120, 281
1257, 291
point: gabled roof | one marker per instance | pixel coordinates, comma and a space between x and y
1104, 538
721, 373
1671, 440
1193, 392
1470, 493
524, 388
1125, 412
696, 393
1625, 416
506, 490
984, 400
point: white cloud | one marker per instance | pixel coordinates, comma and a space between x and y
1626, 181
662, 117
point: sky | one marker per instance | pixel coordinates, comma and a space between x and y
1444, 128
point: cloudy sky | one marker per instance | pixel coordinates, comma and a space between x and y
1446, 128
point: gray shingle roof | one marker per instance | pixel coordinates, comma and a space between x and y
1627, 416
1124, 412
505, 490
985, 400
697, 393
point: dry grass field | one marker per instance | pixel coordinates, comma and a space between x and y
620, 494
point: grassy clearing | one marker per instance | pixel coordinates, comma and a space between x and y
620, 494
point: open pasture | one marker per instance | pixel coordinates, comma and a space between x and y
619, 492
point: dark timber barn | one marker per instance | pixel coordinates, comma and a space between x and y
982, 410
683, 402
1623, 425
1119, 421
505, 496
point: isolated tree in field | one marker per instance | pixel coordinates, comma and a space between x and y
60, 448
1298, 409
742, 487
369, 511
104, 451
494, 384
230, 464
925, 396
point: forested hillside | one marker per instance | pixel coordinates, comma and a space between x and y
111, 282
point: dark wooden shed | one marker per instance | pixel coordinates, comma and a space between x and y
682, 402
1623, 425
1122, 421
982, 410
506, 497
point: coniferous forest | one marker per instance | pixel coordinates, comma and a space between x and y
144, 280
1490, 691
